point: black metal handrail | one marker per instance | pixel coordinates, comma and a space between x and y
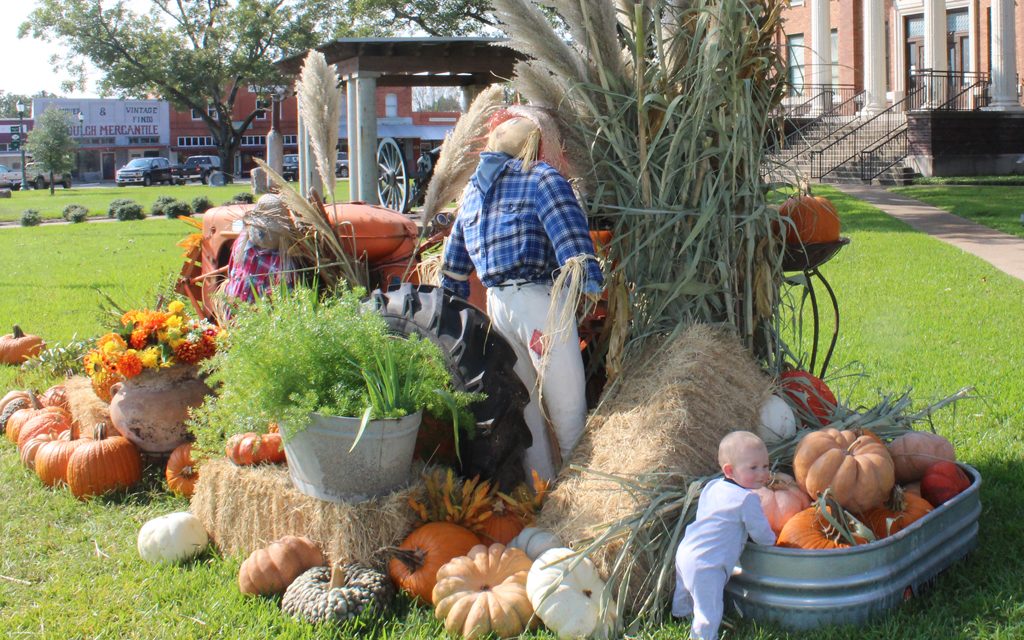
820, 93
824, 125
884, 154
948, 90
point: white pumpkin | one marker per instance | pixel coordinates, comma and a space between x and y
534, 541
172, 538
777, 420
565, 591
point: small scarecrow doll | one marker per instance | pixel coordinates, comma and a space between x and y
259, 257
521, 228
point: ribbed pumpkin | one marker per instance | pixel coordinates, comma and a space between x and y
18, 419
813, 529
254, 448
51, 422
414, 564
17, 347
912, 453
484, 592
181, 472
781, 499
30, 448
56, 396
52, 459
270, 570
103, 464
814, 220
856, 467
899, 512
501, 527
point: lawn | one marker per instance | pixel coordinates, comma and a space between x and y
998, 207
97, 199
915, 313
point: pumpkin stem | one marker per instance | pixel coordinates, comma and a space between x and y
17, 332
100, 431
33, 395
413, 559
338, 575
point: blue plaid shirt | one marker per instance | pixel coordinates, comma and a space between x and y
526, 226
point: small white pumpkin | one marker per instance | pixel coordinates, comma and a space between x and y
172, 538
534, 541
777, 420
565, 591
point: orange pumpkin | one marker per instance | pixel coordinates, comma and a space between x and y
52, 459
809, 394
254, 448
856, 467
18, 419
181, 471
501, 527
414, 564
52, 422
17, 347
813, 220
781, 499
912, 453
900, 510
30, 449
56, 396
270, 570
943, 481
823, 525
12, 402
103, 464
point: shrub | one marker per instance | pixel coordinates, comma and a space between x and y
177, 209
201, 203
130, 211
243, 197
117, 204
75, 213
30, 218
160, 203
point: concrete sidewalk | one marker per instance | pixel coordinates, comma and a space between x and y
1001, 250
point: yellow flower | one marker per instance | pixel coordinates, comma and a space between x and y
175, 308
174, 321
150, 358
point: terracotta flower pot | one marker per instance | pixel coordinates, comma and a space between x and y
150, 409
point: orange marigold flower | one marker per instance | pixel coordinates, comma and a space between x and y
129, 365
112, 339
139, 338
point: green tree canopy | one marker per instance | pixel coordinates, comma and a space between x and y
9, 102
50, 143
196, 54
392, 17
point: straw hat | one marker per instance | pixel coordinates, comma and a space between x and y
269, 223
528, 133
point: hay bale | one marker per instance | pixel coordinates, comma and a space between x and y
87, 409
245, 508
667, 414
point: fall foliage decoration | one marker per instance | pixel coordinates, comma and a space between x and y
17, 346
414, 563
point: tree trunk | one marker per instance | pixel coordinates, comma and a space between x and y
51, 183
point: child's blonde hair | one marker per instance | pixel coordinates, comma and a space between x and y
733, 443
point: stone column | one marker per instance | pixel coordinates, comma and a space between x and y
469, 94
351, 111
874, 58
821, 52
1004, 58
935, 51
366, 132
309, 178
275, 141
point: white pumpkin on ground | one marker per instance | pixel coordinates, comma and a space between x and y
776, 420
565, 591
174, 537
534, 541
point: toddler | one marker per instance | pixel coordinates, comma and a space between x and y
727, 512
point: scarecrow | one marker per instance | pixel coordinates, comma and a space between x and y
259, 255
521, 228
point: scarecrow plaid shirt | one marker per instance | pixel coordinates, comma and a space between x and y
252, 268
523, 229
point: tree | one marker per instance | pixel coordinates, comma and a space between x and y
51, 144
9, 102
198, 55
434, 17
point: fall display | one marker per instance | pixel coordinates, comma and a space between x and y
171, 538
856, 467
269, 571
17, 346
484, 592
105, 463
943, 481
414, 564
335, 594
181, 471
566, 593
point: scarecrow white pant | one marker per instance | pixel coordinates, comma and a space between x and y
519, 313
700, 592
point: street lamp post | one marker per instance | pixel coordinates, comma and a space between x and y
78, 156
21, 144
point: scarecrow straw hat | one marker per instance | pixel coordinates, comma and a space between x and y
269, 222
530, 134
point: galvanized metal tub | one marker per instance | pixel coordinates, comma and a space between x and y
801, 589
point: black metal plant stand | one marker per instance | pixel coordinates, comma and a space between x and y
807, 259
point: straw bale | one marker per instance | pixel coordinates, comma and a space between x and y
667, 414
87, 409
245, 508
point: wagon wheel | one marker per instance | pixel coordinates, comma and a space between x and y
392, 177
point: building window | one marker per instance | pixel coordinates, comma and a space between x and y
391, 105
254, 141
795, 63
291, 140
195, 141
263, 107
144, 140
210, 111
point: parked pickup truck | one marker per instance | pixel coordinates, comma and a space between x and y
35, 176
147, 171
199, 168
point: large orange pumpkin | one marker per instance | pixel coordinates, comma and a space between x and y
811, 529
899, 512
52, 459
103, 464
414, 564
254, 448
912, 453
181, 472
814, 220
51, 422
810, 394
781, 499
56, 396
856, 467
17, 347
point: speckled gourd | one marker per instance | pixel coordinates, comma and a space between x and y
323, 594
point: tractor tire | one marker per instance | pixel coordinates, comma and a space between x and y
479, 360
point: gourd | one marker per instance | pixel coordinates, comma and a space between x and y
51, 422
824, 525
912, 453
810, 394
17, 347
18, 419
900, 511
484, 592
269, 571
776, 421
414, 564
323, 594
856, 467
534, 541
254, 448
56, 396
814, 219
181, 472
565, 591
943, 481
52, 459
171, 538
13, 401
30, 449
501, 527
103, 464
781, 499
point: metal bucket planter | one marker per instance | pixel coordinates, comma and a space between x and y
321, 466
